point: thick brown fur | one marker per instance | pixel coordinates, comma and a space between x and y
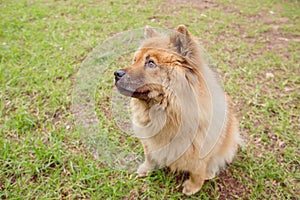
173, 108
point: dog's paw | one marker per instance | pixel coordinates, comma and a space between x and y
143, 170
210, 175
190, 187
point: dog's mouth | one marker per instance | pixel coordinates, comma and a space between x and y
139, 93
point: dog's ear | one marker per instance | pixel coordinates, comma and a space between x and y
149, 32
182, 41
183, 30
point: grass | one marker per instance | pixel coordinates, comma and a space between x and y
43, 45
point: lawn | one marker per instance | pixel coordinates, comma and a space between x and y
45, 153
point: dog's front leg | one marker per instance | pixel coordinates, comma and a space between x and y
195, 182
146, 167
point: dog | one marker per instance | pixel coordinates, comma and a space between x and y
180, 112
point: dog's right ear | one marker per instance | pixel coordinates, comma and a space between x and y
149, 32
183, 43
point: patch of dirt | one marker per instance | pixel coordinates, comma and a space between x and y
274, 37
229, 187
194, 3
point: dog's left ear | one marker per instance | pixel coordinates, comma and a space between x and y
182, 41
149, 32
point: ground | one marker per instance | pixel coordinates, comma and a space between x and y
255, 46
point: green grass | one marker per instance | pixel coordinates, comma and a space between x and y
42, 46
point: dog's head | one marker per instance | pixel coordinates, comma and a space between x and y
154, 64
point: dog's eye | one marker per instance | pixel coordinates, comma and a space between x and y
150, 64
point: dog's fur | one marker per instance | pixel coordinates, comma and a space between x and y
177, 106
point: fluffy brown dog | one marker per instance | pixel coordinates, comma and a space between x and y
180, 112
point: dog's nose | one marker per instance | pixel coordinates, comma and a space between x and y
119, 74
